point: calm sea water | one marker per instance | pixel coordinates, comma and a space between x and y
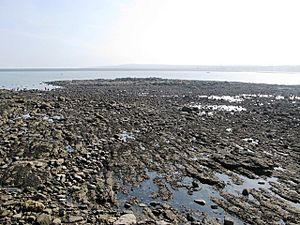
35, 79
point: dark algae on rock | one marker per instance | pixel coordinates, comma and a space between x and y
150, 151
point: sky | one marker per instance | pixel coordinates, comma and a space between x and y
89, 33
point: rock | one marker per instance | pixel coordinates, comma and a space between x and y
154, 204
127, 205
43, 219
245, 192
73, 219
127, 219
48, 211
186, 109
5, 213
61, 212
106, 219
60, 161
17, 216
228, 221
61, 99
56, 221
45, 105
195, 184
200, 201
170, 215
214, 206
35, 206
162, 222
190, 217
142, 205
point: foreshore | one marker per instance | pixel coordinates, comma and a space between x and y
150, 151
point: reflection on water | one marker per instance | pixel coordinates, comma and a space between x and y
181, 199
236, 189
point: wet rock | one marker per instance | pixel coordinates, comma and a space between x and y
170, 215
228, 221
214, 206
142, 205
186, 109
154, 204
189, 217
245, 192
127, 205
200, 201
195, 184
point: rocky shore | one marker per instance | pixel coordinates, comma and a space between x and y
150, 151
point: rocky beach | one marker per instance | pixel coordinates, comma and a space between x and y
150, 151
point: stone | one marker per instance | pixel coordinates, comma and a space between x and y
17, 216
142, 205
56, 221
127, 205
245, 192
5, 213
195, 184
200, 201
214, 206
127, 219
154, 204
186, 109
162, 222
45, 105
43, 219
35, 206
73, 219
228, 221
170, 215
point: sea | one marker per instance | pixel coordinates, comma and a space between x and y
19, 80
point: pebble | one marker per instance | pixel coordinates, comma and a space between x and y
245, 192
127, 219
200, 201
43, 219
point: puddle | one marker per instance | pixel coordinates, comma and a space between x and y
279, 97
248, 183
251, 141
226, 98
125, 136
228, 108
48, 119
293, 97
181, 200
70, 149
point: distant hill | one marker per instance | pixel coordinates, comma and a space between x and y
158, 67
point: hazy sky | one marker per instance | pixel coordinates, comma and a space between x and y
79, 33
